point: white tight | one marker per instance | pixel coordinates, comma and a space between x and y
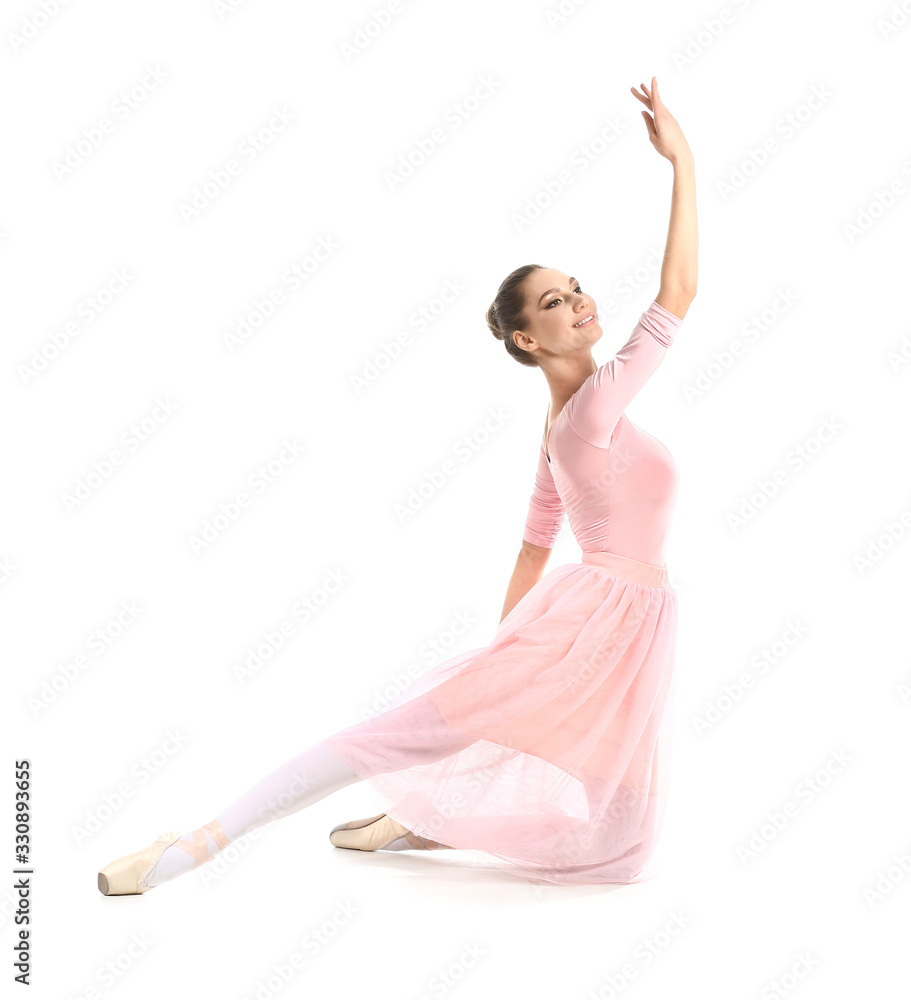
308, 777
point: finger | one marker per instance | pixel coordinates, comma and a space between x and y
639, 96
643, 86
653, 134
655, 96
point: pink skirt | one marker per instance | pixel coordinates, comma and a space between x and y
548, 749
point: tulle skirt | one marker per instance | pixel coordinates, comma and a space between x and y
548, 749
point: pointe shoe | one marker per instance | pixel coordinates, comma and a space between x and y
370, 836
124, 876
355, 824
414, 841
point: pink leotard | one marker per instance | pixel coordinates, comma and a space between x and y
616, 483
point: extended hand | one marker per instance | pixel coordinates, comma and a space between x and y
663, 131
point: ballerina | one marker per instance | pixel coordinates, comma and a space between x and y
548, 748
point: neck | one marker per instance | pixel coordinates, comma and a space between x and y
567, 379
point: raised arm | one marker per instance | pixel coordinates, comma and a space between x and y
596, 407
680, 265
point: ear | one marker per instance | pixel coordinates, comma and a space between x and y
523, 340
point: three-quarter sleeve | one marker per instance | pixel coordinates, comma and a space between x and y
595, 409
545, 508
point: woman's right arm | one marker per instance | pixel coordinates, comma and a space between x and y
530, 566
543, 521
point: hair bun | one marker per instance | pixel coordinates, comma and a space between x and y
507, 313
492, 322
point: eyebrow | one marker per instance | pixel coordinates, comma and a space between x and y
572, 281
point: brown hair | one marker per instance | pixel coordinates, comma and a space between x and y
507, 312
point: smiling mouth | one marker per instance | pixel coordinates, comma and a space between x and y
586, 322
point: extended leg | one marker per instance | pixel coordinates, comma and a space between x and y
412, 733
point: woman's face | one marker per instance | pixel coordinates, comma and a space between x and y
555, 305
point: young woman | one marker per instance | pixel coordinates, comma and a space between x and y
548, 748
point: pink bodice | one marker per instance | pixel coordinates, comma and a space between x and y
616, 483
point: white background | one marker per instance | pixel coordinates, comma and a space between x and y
825, 357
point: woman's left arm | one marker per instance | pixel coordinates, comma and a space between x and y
680, 264
678, 270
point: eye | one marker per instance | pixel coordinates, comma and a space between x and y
559, 299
